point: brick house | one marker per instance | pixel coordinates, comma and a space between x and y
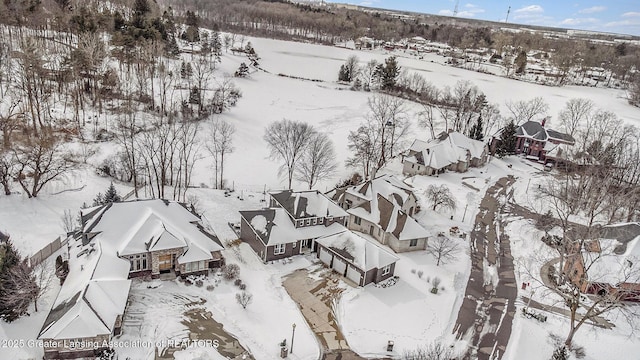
119, 241
535, 140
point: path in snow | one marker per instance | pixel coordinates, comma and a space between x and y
487, 311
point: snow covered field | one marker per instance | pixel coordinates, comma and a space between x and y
406, 312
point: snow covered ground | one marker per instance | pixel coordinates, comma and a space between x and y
406, 312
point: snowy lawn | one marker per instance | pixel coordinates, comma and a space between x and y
407, 312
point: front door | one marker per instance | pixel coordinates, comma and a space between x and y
164, 262
304, 246
371, 230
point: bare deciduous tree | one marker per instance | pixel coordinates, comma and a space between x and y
443, 249
38, 162
435, 351
523, 111
244, 299
287, 140
221, 144
69, 222
317, 161
575, 112
440, 196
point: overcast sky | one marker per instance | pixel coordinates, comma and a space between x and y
617, 16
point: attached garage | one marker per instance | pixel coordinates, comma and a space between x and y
325, 256
354, 274
360, 260
339, 265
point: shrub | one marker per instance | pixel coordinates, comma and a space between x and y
244, 299
238, 282
420, 273
243, 286
230, 271
210, 287
199, 283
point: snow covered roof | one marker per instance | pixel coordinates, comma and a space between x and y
476, 148
448, 148
305, 204
390, 218
274, 226
97, 287
137, 227
388, 186
535, 130
363, 253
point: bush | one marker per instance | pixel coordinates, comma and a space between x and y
244, 299
238, 282
420, 273
230, 271
199, 283
243, 286
210, 287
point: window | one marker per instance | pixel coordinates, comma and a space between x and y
137, 262
357, 220
413, 166
315, 221
294, 244
301, 223
379, 231
278, 249
320, 221
308, 221
413, 242
386, 270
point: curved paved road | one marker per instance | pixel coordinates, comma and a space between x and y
487, 311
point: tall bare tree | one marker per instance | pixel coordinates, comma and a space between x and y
575, 112
440, 197
220, 144
443, 249
523, 111
317, 161
38, 162
287, 141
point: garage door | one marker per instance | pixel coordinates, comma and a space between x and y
353, 274
339, 265
325, 256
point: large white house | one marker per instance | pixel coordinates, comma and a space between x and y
119, 241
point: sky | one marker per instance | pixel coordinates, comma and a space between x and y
616, 16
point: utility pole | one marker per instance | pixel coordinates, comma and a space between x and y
508, 12
293, 333
455, 9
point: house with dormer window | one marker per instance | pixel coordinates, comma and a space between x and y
291, 223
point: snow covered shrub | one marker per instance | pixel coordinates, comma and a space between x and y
199, 283
238, 282
420, 273
210, 287
243, 286
230, 271
413, 271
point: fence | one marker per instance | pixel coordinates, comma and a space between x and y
46, 251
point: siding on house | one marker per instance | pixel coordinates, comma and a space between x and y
62, 349
405, 245
289, 251
249, 236
375, 275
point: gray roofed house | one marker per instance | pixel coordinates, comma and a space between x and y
291, 224
537, 141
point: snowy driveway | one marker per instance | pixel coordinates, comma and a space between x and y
487, 311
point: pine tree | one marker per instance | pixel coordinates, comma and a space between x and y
62, 269
16, 283
389, 73
343, 75
507, 142
98, 200
521, 62
242, 71
111, 195
476, 131
194, 96
560, 354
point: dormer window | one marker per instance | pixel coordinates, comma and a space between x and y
315, 221
308, 221
320, 221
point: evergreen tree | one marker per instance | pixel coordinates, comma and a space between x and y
111, 195
476, 131
98, 200
62, 269
194, 96
343, 74
251, 54
560, 354
242, 71
507, 143
389, 73
521, 62
16, 283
